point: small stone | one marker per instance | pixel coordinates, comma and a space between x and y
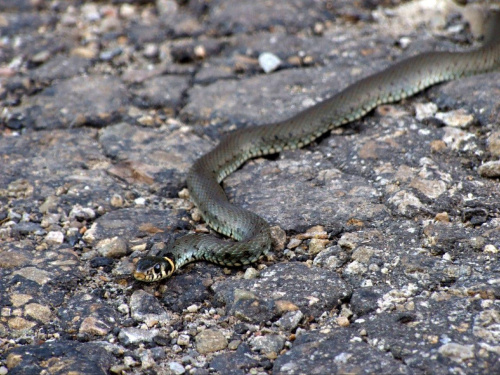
18, 299
285, 306
147, 359
90, 12
94, 326
109, 54
38, 312
41, 57
144, 306
425, 110
4, 370
294, 242
50, 204
316, 245
37, 275
140, 202
458, 119
342, 321
123, 308
116, 200
250, 273
200, 51
90, 235
112, 247
183, 340
494, 143
130, 361
267, 344
81, 213
490, 169
19, 323
355, 268
210, 341
132, 335
437, 145
457, 352
290, 320
404, 42
315, 232
269, 62
278, 236
442, 217
150, 50
176, 368
233, 345
318, 28
491, 249
54, 238
192, 308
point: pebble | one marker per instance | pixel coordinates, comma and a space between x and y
110, 54
132, 335
38, 312
37, 275
425, 110
112, 247
457, 119
494, 143
250, 273
192, 308
316, 245
233, 345
54, 238
267, 344
116, 201
41, 57
183, 340
123, 308
94, 326
442, 217
49, 204
294, 242
290, 320
18, 323
144, 307
457, 352
176, 368
315, 232
269, 62
491, 249
81, 213
147, 359
140, 202
342, 321
210, 341
150, 50
490, 169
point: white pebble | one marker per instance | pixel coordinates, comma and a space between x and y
177, 368
54, 238
140, 201
269, 62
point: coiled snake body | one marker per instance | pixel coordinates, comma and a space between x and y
251, 232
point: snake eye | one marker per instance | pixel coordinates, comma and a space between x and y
157, 268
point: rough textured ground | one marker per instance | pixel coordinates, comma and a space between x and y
387, 256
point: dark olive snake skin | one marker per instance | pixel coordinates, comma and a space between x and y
252, 233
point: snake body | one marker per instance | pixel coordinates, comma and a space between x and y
251, 232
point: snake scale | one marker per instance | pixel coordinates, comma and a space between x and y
251, 232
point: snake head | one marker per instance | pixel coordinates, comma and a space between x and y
151, 269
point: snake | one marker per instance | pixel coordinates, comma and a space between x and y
250, 234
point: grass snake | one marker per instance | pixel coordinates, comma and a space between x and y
251, 232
